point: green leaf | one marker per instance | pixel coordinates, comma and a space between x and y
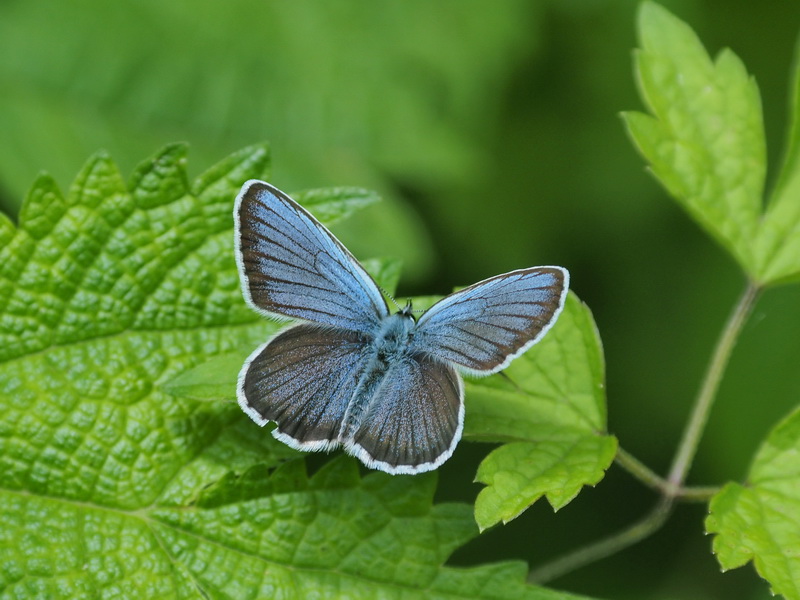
385, 271
705, 139
760, 521
103, 293
55, 102
212, 380
56, 106
779, 234
112, 487
549, 408
260, 534
330, 205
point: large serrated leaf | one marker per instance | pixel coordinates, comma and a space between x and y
760, 521
549, 409
112, 487
106, 291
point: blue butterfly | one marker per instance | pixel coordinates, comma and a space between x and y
385, 387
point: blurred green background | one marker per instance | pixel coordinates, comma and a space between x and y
492, 130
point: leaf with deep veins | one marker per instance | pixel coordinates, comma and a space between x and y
110, 485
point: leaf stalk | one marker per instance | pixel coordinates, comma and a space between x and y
708, 391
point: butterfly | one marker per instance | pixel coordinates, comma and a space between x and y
384, 386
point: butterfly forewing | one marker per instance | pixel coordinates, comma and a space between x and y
414, 420
483, 327
304, 379
290, 265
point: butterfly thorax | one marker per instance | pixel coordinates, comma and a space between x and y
391, 347
395, 333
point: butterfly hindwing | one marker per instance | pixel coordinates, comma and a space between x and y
303, 379
484, 326
414, 419
292, 266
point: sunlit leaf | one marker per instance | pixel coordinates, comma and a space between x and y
704, 139
779, 234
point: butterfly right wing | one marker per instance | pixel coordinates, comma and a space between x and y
303, 379
483, 327
292, 266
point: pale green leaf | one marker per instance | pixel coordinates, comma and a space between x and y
330, 205
112, 487
385, 271
383, 103
760, 521
705, 138
56, 103
212, 380
549, 408
779, 235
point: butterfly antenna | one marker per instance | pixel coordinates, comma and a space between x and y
412, 311
390, 297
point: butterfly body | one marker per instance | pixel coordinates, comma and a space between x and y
383, 386
389, 347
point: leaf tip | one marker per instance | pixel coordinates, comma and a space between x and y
43, 206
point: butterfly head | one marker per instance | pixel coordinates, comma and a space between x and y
407, 311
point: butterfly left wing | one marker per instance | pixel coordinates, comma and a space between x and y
414, 420
303, 379
483, 327
292, 266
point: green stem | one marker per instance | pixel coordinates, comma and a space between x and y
654, 481
639, 470
671, 488
605, 547
697, 493
708, 391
